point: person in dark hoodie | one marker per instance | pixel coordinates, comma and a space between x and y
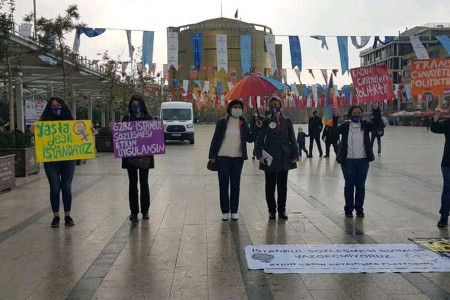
59, 173
315, 127
442, 126
355, 153
278, 153
331, 137
378, 132
137, 111
228, 151
301, 141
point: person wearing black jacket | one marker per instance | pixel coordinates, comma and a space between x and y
355, 153
378, 132
301, 141
59, 173
228, 151
331, 137
315, 127
253, 121
442, 126
278, 153
137, 111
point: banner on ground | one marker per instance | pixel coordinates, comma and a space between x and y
347, 258
438, 245
430, 76
372, 84
138, 138
33, 110
64, 140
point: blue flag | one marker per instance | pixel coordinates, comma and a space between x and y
343, 52
305, 91
219, 88
246, 53
445, 41
296, 52
408, 92
147, 48
197, 44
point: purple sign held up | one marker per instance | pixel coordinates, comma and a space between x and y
138, 138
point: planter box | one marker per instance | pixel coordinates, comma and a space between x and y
26, 163
104, 143
7, 172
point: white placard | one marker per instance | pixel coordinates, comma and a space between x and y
34, 110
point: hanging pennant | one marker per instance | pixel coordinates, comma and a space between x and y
284, 75
89, 32
294, 89
197, 45
315, 94
230, 86
324, 74
387, 40
206, 87
130, 46
185, 86
172, 50
298, 73
322, 39
364, 41
312, 74
246, 53
198, 83
222, 52
343, 52
166, 72
270, 45
147, 48
335, 72
296, 52
445, 41
419, 49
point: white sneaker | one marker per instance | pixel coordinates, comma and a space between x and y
225, 217
234, 217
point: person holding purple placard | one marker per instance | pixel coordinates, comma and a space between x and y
138, 112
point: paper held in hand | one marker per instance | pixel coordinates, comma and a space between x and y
268, 157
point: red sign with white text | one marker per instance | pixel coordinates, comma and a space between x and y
372, 84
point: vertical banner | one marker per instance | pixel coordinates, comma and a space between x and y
315, 93
372, 84
206, 87
270, 45
172, 50
166, 72
130, 46
430, 76
258, 102
147, 48
197, 45
296, 52
219, 88
298, 73
419, 48
230, 86
294, 90
246, 53
343, 52
185, 85
284, 76
34, 110
64, 140
222, 52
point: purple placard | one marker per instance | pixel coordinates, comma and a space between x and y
138, 138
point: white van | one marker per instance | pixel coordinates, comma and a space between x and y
178, 117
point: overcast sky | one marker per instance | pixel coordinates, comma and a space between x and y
285, 17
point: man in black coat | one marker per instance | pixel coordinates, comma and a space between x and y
331, 137
315, 128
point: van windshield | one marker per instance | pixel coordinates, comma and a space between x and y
176, 114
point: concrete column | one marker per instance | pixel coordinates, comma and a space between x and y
90, 112
20, 119
103, 118
112, 115
49, 90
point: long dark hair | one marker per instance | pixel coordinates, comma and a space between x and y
47, 115
349, 115
141, 101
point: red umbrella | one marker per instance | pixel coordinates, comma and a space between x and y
254, 85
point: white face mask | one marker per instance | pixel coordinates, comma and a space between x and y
236, 112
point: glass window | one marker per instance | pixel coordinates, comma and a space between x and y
176, 114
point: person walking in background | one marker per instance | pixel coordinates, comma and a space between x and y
137, 111
228, 151
331, 137
442, 126
59, 173
301, 141
378, 131
427, 122
355, 153
256, 119
278, 153
315, 127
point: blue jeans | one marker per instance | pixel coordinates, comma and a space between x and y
355, 175
229, 171
60, 177
445, 198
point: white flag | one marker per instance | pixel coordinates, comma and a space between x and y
250, 104
270, 45
315, 94
258, 102
294, 90
419, 49
172, 49
230, 86
185, 85
206, 86
222, 52
130, 47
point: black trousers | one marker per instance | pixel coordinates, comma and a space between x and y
311, 144
133, 190
229, 170
373, 136
278, 180
328, 146
302, 147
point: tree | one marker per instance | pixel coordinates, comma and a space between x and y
7, 8
50, 35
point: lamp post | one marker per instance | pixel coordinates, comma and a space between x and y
34, 17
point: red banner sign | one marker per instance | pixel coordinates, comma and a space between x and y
372, 84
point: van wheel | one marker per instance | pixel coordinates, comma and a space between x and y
192, 141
